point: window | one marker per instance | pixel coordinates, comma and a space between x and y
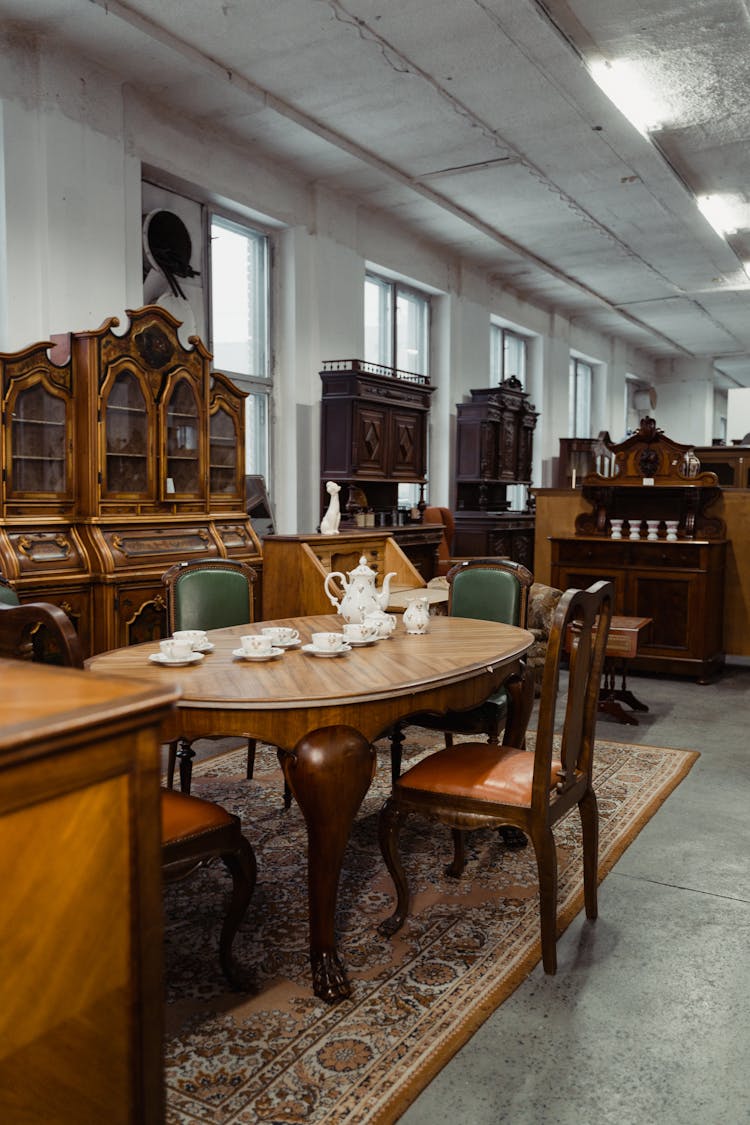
579, 398
239, 326
397, 325
507, 355
397, 334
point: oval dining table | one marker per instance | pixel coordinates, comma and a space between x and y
323, 715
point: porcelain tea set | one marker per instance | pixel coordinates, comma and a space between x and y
362, 607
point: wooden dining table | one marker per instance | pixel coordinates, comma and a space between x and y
323, 715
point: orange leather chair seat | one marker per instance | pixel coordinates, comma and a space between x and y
478, 771
184, 817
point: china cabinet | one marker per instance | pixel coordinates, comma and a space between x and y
494, 447
373, 436
121, 456
671, 571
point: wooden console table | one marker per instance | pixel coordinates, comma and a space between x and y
622, 646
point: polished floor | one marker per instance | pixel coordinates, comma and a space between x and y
648, 1018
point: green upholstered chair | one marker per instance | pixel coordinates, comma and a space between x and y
492, 589
194, 832
206, 594
209, 594
8, 595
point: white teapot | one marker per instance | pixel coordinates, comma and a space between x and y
360, 596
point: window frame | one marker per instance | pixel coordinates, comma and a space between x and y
578, 367
498, 354
258, 386
389, 331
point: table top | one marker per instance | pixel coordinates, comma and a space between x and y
453, 650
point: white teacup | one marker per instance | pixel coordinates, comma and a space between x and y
197, 637
384, 622
362, 631
281, 634
176, 648
256, 644
328, 642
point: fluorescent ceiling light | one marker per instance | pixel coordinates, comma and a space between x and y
726, 213
623, 83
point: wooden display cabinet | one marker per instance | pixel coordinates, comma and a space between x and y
373, 434
119, 460
730, 463
494, 447
678, 582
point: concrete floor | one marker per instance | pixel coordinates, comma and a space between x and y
648, 1017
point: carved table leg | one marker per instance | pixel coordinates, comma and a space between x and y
185, 755
329, 773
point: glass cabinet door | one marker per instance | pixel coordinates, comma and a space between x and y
126, 423
183, 441
223, 452
38, 442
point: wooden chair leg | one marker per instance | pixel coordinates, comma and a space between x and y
397, 742
589, 811
389, 823
455, 869
185, 755
242, 867
171, 763
546, 862
251, 744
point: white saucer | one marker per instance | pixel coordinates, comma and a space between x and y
287, 644
160, 658
272, 655
207, 647
362, 644
313, 651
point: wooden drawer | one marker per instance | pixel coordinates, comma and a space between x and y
584, 552
662, 554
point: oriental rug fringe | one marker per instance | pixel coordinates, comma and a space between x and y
279, 1055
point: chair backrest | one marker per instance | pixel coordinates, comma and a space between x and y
39, 631
590, 613
209, 594
491, 589
8, 595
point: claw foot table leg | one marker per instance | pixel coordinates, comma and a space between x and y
329, 772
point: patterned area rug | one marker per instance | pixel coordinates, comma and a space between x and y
278, 1054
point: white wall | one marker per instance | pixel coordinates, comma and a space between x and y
74, 143
738, 413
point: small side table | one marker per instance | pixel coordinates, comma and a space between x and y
622, 645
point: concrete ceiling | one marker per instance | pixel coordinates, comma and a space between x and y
477, 124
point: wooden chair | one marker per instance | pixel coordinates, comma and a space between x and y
194, 831
207, 594
479, 785
491, 590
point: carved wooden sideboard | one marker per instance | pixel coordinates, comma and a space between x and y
677, 581
373, 435
494, 446
121, 454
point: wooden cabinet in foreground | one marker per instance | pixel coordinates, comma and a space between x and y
81, 1015
124, 453
649, 532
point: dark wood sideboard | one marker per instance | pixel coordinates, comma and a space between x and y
494, 447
